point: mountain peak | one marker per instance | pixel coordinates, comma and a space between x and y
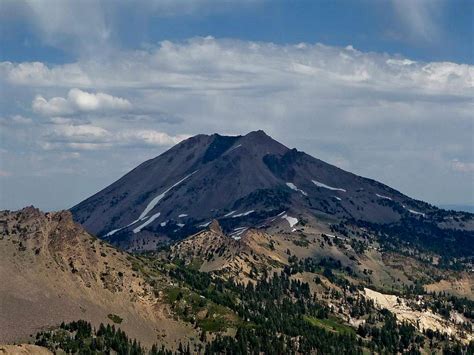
258, 136
215, 227
241, 181
261, 144
258, 133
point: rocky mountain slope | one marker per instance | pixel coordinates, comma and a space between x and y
309, 254
51, 271
241, 181
211, 250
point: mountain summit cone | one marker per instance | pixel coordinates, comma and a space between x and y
241, 181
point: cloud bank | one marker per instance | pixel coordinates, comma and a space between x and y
404, 122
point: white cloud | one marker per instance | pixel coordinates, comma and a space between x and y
17, 120
150, 137
84, 101
90, 137
54, 107
39, 74
79, 101
205, 64
87, 133
463, 167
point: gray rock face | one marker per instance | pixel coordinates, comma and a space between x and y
251, 178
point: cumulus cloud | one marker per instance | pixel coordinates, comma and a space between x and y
79, 101
54, 107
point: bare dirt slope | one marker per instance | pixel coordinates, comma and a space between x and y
51, 270
23, 349
422, 319
459, 287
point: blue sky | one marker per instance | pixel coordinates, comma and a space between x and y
92, 88
434, 30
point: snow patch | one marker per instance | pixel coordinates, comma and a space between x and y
293, 187
243, 214
147, 222
230, 213
385, 197
320, 184
416, 212
182, 215
231, 149
180, 225
337, 198
272, 219
204, 225
163, 224
237, 235
128, 225
158, 198
148, 208
291, 220
112, 232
